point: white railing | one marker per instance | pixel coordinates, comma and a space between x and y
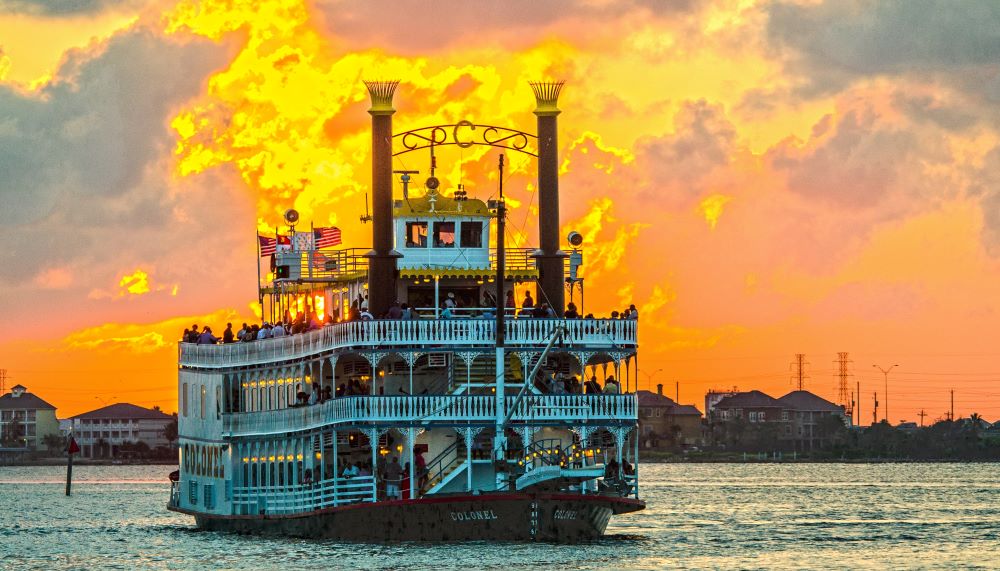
451, 333
439, 409
299, 498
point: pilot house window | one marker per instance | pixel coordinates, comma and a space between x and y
444, 234
416, 234
472, 234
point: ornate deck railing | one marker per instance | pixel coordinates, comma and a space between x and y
298, 498
415, 410
599, 334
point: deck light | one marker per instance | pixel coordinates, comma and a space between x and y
298, 456
319, 456
246, 459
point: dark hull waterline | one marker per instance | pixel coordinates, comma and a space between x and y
495, 516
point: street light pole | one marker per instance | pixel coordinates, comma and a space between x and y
885, 401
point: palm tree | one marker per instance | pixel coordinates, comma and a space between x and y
976, 421
55, 444
170, 431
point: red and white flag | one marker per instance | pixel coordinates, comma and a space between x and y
326, 237
72, 447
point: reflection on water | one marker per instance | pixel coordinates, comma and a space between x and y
700, 516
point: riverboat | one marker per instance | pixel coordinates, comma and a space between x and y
459, 419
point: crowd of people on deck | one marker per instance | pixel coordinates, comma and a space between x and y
451, 308
561, 384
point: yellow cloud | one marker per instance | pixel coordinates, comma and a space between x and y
711, 208
136, 283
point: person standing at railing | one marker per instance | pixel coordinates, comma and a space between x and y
527, 303
633, 313
611, 386
206, 337
421, 465
351, 471
393, 476
395, 311
571, 312
228, 336
278, 330
405, 487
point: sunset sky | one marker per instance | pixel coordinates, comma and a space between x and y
761, 178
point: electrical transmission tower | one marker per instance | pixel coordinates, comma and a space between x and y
799, 367
843, 393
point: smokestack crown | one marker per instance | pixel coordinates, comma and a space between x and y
381, 93
546, 96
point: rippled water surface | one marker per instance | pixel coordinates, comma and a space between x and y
698, 516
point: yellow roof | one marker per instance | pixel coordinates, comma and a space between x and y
443, 206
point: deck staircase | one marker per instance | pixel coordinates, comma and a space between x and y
482, 375
444, 467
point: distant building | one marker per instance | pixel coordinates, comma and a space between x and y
26, 419
753, 406
713, 397
100, 433
807, 413
663, 422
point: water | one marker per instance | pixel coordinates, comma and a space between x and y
742, 516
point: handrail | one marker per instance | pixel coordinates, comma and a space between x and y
448, 334
297, 498
434, 476
419, 410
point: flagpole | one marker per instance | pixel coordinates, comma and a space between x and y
277, 296
312, 232
260, 296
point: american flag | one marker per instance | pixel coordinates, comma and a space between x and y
326, 237
267, 245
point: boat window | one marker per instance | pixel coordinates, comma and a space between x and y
416, 234
472, 234
444, 234
203, 401
184, 399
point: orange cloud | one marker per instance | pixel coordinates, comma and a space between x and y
54, 278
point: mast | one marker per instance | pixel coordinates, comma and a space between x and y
500, 438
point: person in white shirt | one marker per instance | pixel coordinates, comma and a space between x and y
277, 330
350, 471
450, 300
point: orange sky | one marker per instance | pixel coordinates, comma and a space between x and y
760, 178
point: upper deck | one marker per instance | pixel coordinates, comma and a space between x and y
581, 334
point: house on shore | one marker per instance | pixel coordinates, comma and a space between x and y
25, 420
101, 433
663, 422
